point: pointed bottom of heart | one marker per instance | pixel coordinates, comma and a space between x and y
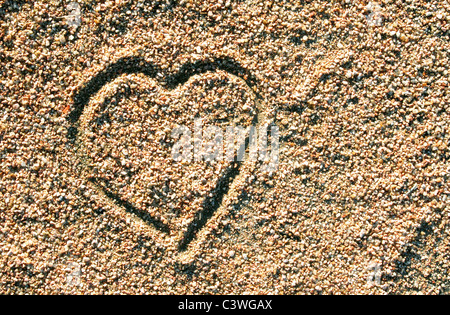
186, 242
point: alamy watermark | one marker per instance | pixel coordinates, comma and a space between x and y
234, 143
374, 277
375, 16
74, 17
74, 275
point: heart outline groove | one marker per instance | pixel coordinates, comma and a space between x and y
231, 180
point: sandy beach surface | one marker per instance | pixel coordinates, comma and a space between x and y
354, 201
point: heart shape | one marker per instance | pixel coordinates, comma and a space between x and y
123, 122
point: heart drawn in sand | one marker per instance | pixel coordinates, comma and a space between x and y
123, 123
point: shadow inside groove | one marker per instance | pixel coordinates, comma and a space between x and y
403, 264
122, 66
224, 63
210, 205
11, 6
143, 215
